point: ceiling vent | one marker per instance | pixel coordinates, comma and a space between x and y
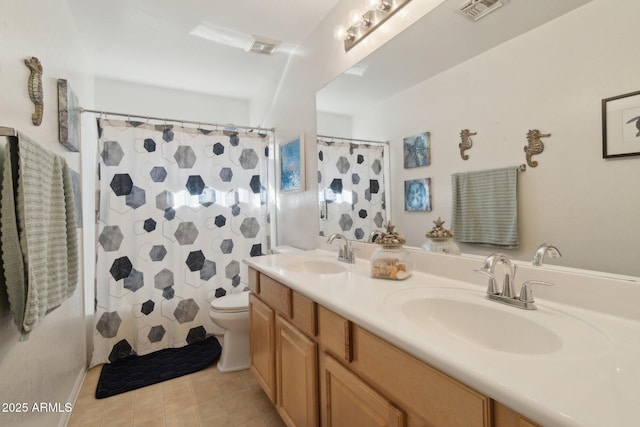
263, 46
476, 9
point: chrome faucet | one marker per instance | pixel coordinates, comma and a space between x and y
543, 249
488, 267
345, 254
507, 295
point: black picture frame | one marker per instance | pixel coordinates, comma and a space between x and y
621, 126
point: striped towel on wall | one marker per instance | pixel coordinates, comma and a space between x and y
38, 231
485, 207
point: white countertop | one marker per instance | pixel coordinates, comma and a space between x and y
599, 386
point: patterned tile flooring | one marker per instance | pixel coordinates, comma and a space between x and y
204, 398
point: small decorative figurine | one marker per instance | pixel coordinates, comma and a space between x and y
391, 260
466, 142
35, 88
534, 145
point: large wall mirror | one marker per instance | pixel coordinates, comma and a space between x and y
543, 65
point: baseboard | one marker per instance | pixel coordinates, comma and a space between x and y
73, 396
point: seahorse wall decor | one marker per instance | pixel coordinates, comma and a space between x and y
466, 142
35, 88
534, 145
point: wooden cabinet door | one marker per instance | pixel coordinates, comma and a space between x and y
507, 417
262, 345
345, 400
297, 376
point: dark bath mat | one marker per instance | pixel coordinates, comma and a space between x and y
134, 372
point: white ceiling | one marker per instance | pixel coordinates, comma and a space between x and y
149, 41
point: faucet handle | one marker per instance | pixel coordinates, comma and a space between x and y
351, 256
526, 295
492, 287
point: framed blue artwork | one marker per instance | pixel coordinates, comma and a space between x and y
417, 195
416, 150
292, 165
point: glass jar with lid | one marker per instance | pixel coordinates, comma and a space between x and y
391, 261
439, 239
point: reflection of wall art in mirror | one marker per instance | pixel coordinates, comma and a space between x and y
68, 117
416, 150
417, 195
292, 165
621, 125
465, 142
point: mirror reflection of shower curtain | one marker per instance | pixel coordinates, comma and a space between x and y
179, 210
351, 188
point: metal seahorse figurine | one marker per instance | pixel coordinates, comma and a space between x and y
467, 142
35, 88
534, 145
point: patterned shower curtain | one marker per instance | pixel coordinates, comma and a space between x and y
179, 208
351, 188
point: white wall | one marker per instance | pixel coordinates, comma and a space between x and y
552, 79
329, 124
48, 367
123, 97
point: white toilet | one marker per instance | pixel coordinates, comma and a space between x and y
231, 312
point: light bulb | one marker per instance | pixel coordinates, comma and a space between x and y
383, 5
340, 33
355, 18
373, 4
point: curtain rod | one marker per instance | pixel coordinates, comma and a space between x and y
339, 138
222, 126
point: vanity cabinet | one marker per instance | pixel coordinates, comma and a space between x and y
284, 353
320, 368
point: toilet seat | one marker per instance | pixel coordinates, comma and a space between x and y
232, 303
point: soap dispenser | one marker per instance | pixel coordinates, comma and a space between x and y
391, 260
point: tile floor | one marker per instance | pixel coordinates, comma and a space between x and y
204, 398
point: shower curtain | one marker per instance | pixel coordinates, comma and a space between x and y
351, 188
179, 208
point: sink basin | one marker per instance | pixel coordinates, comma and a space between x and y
307, 265
466, 315
480, 324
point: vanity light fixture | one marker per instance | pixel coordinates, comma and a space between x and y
361, 24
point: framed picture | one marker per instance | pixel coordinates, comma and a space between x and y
416, 150
621, 125
417, 195
68, 117
292, 165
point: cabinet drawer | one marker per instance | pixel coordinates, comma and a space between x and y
435, 397
304, 314
275, 295
334, 334
254, 281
